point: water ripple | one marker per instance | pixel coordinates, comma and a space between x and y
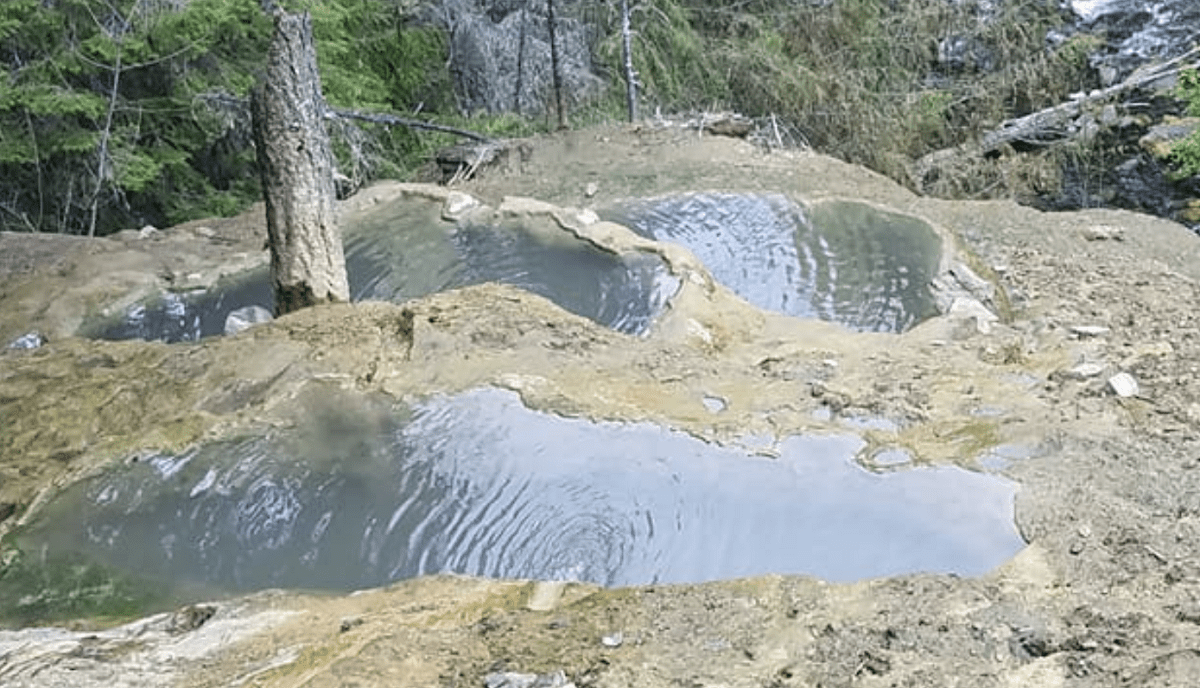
839, 261
407, 252
478, 484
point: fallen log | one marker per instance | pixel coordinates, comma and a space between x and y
1055, 124
393, 120
461, 162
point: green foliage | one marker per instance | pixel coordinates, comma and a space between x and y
1185, 155
342, 33
414, 60
178, 136
372, 57
59, 100
858, 77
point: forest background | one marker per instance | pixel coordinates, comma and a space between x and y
115, 114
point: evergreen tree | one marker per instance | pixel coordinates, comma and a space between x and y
114, 113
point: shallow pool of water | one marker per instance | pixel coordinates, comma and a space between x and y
478, 484
840, 261
406, 251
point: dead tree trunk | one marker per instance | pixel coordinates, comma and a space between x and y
556, 73
1054, 124
630, 75
296, 164
520, 60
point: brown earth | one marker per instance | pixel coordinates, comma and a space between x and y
1106, 594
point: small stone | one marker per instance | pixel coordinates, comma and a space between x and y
147, 232
613, 640
1089, 330
1103, 233
350, 622
1193, 412
591, 189
966, 308
206, 232
243, 318
512, 679
1123, 385
509, 679
29, 340
1084, 371
457, 203
190, 618
698, 331
1108, 115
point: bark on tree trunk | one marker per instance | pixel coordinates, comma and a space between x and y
556, 75
520, 61
296, 164
630, 74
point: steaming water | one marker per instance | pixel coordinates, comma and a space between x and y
841, 261
478, 484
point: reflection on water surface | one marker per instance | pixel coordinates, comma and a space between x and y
406, 251
478, 484
840, 261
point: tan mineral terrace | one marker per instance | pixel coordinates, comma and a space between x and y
1040, 311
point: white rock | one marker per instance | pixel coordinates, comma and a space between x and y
29, 340
1123, 385
1086, 370
1103, 233
614, 640
1193, 412
242, 318
971, 309
1089, 330
456, 204
695, 329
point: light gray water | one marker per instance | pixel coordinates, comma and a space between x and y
839, 261
410, 252
478, 484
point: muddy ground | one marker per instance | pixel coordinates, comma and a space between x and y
1107, 593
